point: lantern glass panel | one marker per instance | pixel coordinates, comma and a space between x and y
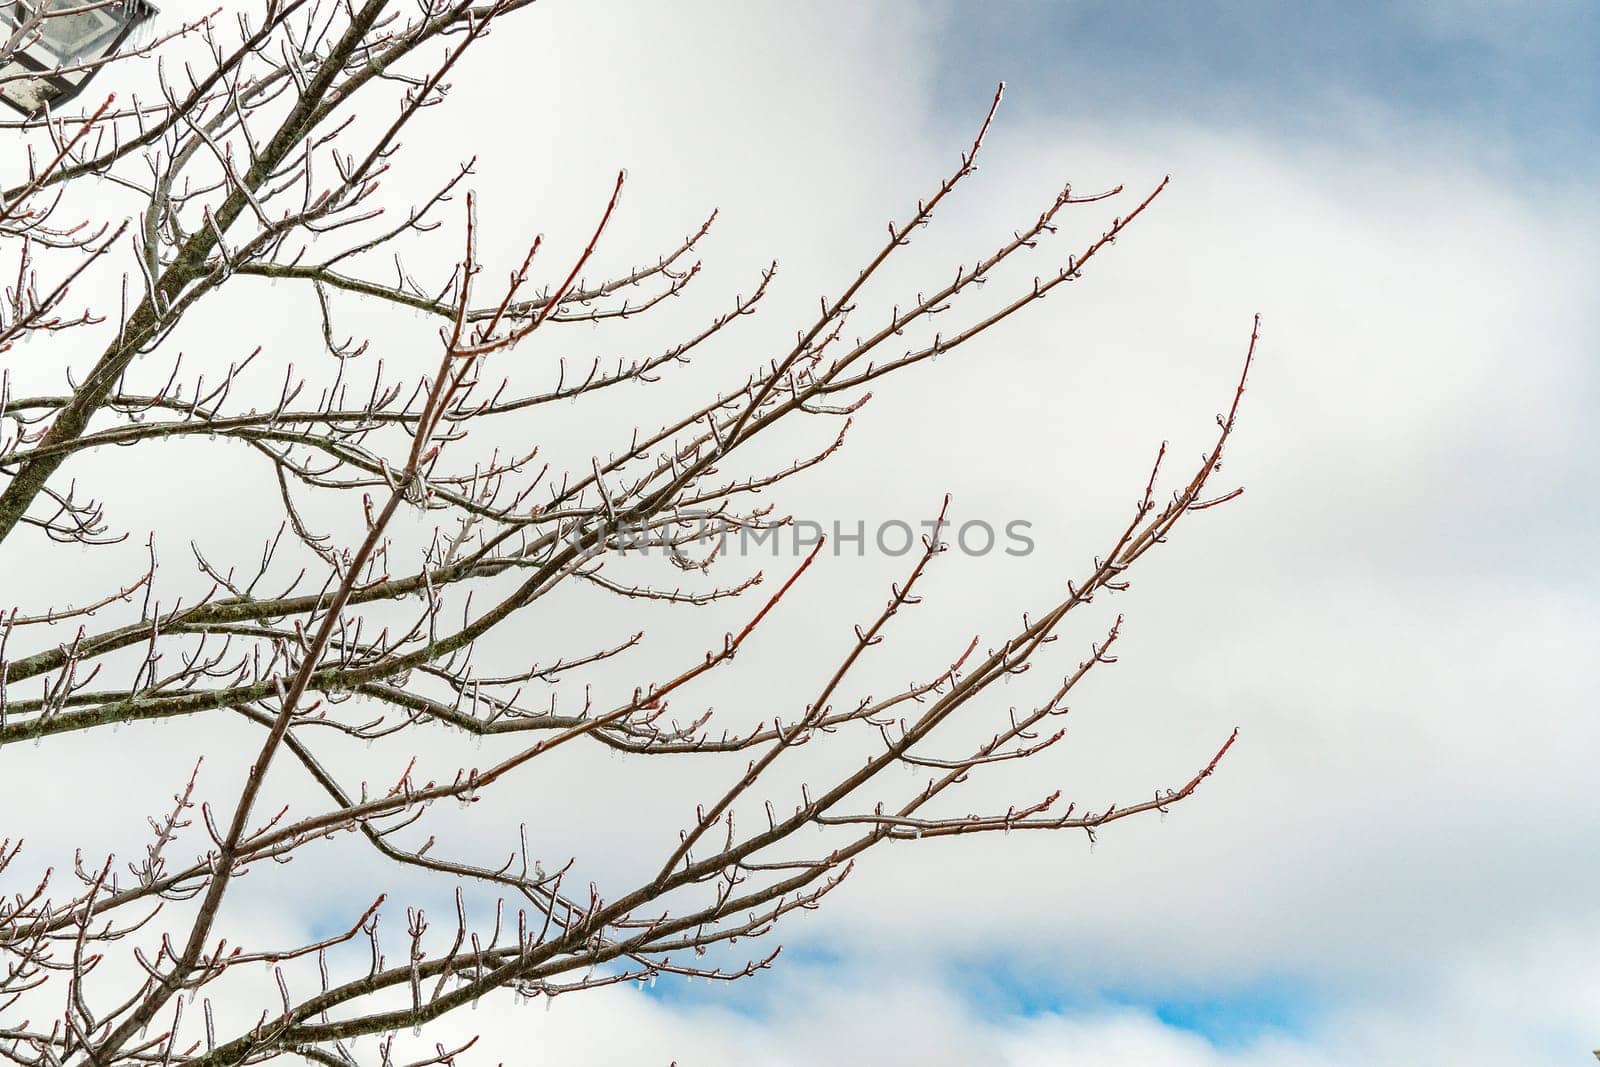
80, 36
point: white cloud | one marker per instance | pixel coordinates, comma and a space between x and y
1394, 613
902, 1016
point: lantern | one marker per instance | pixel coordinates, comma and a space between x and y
49, 49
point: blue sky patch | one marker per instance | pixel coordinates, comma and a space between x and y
1522, 75
1226, 1015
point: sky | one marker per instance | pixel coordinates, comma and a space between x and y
1519, 76
1396, 863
